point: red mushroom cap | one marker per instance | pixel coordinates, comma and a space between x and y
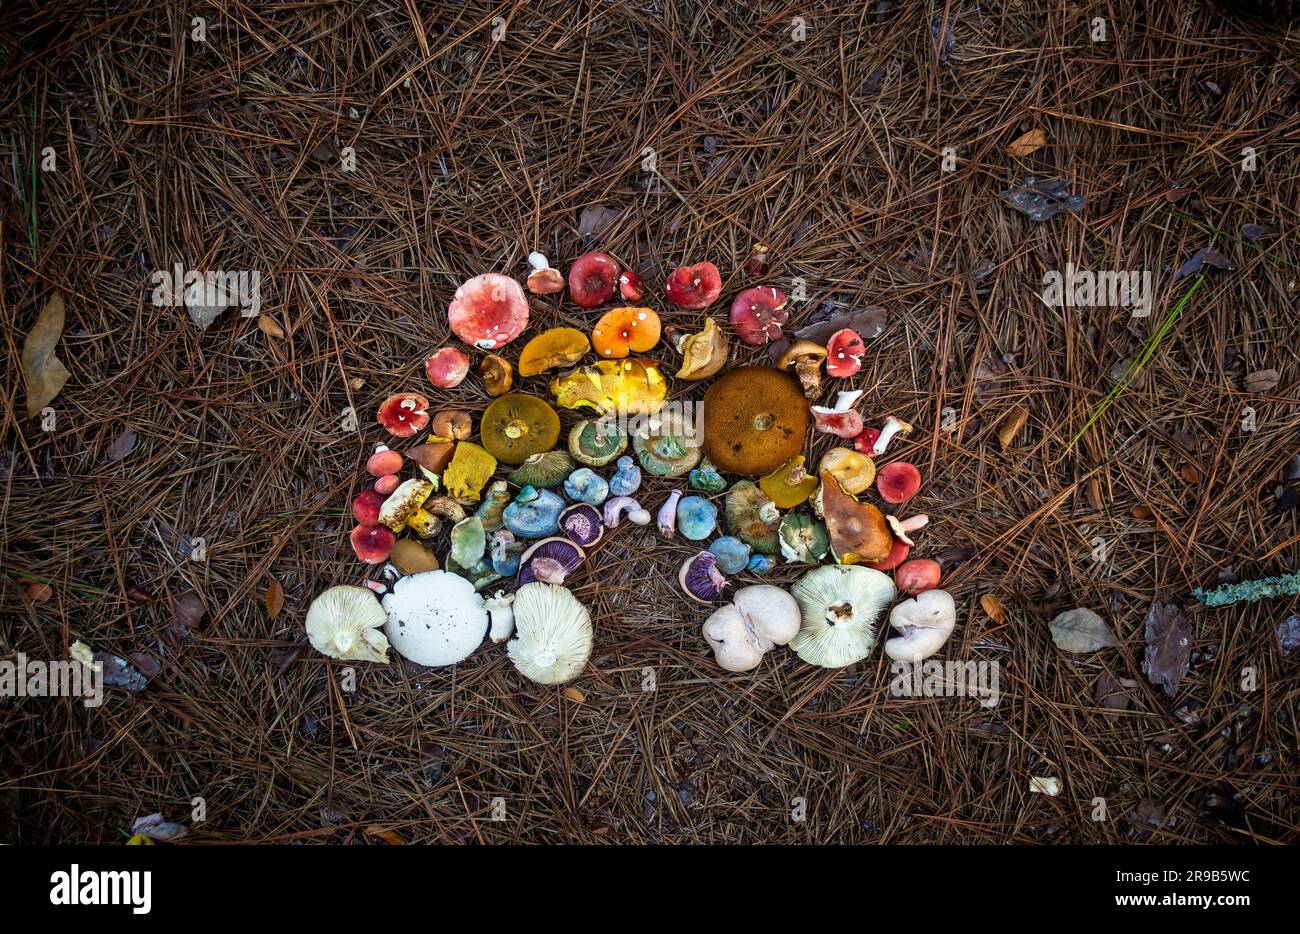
447, 367
383, 462
387, 483
845, 424
593, 277
865, 441
898, 482
695, 286
758, 313
917, 575
631, 286
844, 353
404, 414
488, 311
366, 507
373, 543
897, 555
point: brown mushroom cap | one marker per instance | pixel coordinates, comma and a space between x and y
859, 531
801, 349
755, 419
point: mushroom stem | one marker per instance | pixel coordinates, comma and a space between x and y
893, 426
839, 612
667, 518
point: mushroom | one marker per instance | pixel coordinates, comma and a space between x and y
593, 277
696, 518
841, 421
534, 513
844, 352
630, 286
634, 386
488, 311
790, 484
386, 484
753, 518
700, 579
706, 478
553, 634
695, 287
492, 509
468, 542
626, 479
595, 442
501, 613
731, 553
666, 455
404, 414
917, 576
551, 560
859, 531
924, 624
804, 540
451, 425
704, 353
518, 425
435, 618
383, 462
447, 367
854, 470
616, 506
898, 482
544, 471
557, 347
402, 502
758, 314
866, 440
584, 485
625, 330
582, 524
667, 518
806, 359
505, 550
841, 606
498, 375
366, 506
903, 527
757, 618
470, 468
410, 557
761, 564
755, 420
898, 553
344, 622
372, 543
543, 279
893, 426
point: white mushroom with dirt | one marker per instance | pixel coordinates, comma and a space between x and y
435, 618
742, 632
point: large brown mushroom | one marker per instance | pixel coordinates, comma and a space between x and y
859, 531
755, 419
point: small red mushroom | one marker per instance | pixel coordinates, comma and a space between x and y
488, 311
383, 462
758, 313
918, 575
844, 352
404, 414
845, 423
366, 507
593, 277
373, 543
447, 367
898, 482
866, 440
387, 483
631, 286
695, 286
544, 279
897, 555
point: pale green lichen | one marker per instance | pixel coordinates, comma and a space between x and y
1250, 591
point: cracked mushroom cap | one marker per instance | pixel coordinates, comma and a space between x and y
344, 622
435, 618
553, 634
755, 419
759, 617
841, 607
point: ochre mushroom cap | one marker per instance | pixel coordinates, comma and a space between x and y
755, 420
859, 531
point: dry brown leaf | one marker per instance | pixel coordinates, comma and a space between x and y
1189, 473
1093, 488
269, 326
188, 610
1140, 512
1027, 143
993, 608
44, 373
391, 837
1263, 380
575, 695
274, 599
1011, 425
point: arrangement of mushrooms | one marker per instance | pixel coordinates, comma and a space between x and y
522, 497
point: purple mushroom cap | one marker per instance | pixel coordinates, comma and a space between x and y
701, 579
551, 561
582, 524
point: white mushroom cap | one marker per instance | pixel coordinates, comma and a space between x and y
343, 622
759, 617
841, 604
435, 618
553, 633
501, 610
924, 624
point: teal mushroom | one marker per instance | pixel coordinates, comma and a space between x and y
666, 455
586, 486
732, 554
696, 518
627, 479
706, 478
534, 513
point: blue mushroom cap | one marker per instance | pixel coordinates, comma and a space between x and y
627, 479
696, 518
586, 486
534, 513
761, 564
732, 554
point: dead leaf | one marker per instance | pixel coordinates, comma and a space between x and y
988, 371
595, 221
1027, 143
993, 608
122, 445
391, 837
1169, 646
1263, 380
44, 373
269, 326
1011, 425
1079, 630
1189, 474
574, 695
1093, 490
188, 610
1111, 691
1141, 512
274, 599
